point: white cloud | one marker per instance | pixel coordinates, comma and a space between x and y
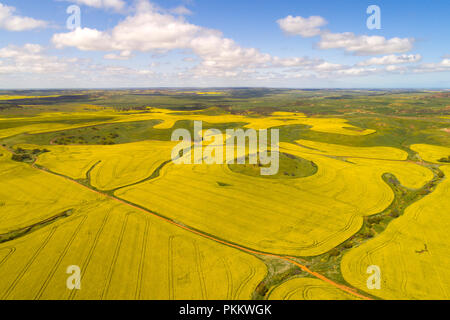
85, 39
124, 55
31, 66
11, 22
153, 30
392, 59
117, 5
359, 45
295, 62
29, 59
364, 45
327, 66
396, 68
147, 30
357, 71
181, 10
442, 66
221, 53
305, 27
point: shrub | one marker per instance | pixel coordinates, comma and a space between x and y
21, 157
370, 234
334, 252
374, 220
447, 160
395, 213
348, 245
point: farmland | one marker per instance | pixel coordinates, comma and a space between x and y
87, 180
154, 259
417, 239
308, 289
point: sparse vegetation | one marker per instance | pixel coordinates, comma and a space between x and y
446, 160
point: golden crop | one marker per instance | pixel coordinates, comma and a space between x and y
29, 196
128, 252
124, 254
308, 289
305, 216
112, 166
168, 118
431, 153
412, 253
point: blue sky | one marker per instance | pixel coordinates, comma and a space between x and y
224, 43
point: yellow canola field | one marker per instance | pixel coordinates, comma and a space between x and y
308, 289
124, 254
430, 152
409, 174
270, 216
357, 178
288, 114
52, 121
63, 121
34, 128
386, 153
328, 125
28, 196
304, 217
413, 253
8, 97
112, 166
